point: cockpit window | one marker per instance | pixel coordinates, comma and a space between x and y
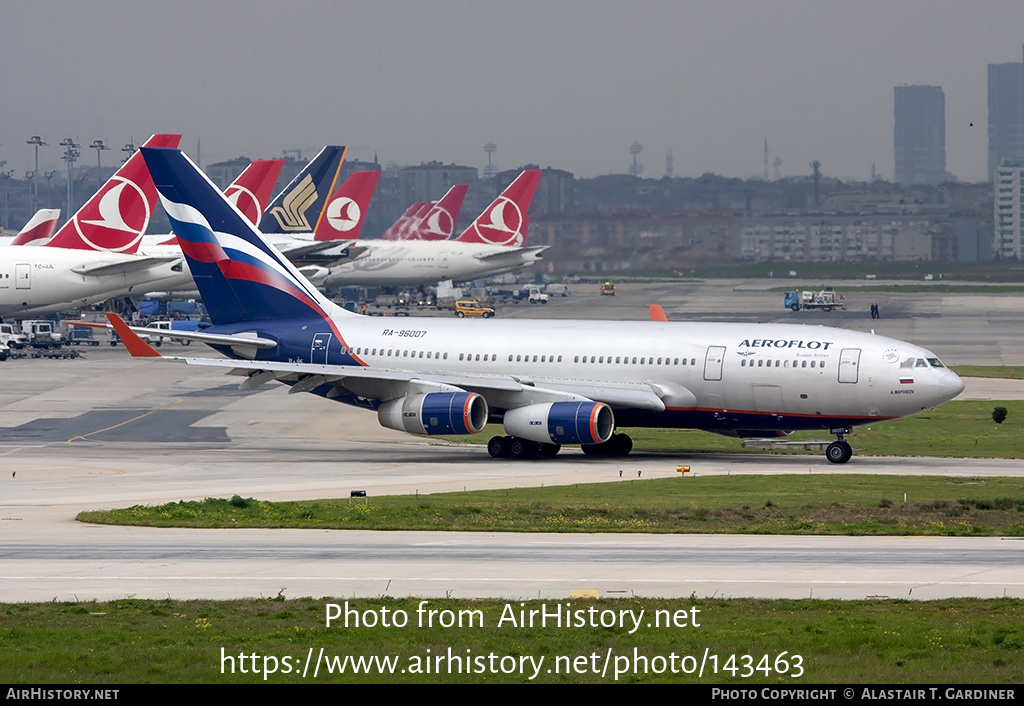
921, 363
936, 363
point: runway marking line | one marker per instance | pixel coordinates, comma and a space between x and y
127, 421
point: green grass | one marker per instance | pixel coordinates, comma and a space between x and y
913, 288
988, 371
822, 504
858, 642
1004, 271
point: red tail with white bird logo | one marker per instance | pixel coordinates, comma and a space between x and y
505, 222
345, 210
115, 218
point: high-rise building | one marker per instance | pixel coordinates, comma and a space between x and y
1008, 239
1005, 114
919, 136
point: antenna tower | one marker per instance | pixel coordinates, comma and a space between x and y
637, 169
491, 169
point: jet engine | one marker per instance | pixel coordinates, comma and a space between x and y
435, 413
562, 422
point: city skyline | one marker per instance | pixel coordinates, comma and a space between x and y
570, 85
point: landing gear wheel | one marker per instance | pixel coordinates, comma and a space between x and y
838, 452
522, 448
621, 445
549, 450
497, 447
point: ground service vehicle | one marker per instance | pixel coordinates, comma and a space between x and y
824, 300
469, 307
12, 337
608, 288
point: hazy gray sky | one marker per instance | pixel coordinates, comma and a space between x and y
570, 84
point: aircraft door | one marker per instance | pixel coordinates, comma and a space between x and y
23, 276
849, 365
713, 363
319, 350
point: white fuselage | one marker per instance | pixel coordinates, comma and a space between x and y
387, 263
41, 280
788, 376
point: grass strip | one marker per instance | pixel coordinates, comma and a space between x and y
822, 504
861, 642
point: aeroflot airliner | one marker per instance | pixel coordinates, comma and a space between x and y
548, 382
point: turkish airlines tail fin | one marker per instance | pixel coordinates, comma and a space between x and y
299, 206
115, 218
41, 226
505, 222
439, 223
345, 212
400, 229
251, 190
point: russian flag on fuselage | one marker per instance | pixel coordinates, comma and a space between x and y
240, 276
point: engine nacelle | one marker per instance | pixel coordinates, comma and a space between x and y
435, 413
562, 422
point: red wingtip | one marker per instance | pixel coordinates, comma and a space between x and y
135, 345
657, 313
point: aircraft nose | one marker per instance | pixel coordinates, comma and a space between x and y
950, 385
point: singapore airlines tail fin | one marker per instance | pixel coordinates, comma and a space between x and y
505, 222
251, 191
39, 228
439, 223
299, 206
115, 218
345, 212
241, 277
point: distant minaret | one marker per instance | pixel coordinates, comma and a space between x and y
669, 172
766, 158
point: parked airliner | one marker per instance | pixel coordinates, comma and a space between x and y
93, 256
491, 245
548, 382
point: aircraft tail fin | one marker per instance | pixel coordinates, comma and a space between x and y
39, 228
345, 211
115, 218
240, 275
400, 229
505, 222
298, 208
439, 223
251, 190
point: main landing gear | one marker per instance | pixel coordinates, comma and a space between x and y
515, 447
839, 451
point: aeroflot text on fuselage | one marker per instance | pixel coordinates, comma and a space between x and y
780, 343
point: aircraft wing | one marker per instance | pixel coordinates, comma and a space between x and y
313, 247
216, 339
534, 250
133, 264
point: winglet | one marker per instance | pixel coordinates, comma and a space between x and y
135, 345
657, 313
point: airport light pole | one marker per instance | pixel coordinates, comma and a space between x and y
37, 142
6, 175
129, 149
99, 147
71, 155
49, 187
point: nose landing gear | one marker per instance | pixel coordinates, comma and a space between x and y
839, 451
